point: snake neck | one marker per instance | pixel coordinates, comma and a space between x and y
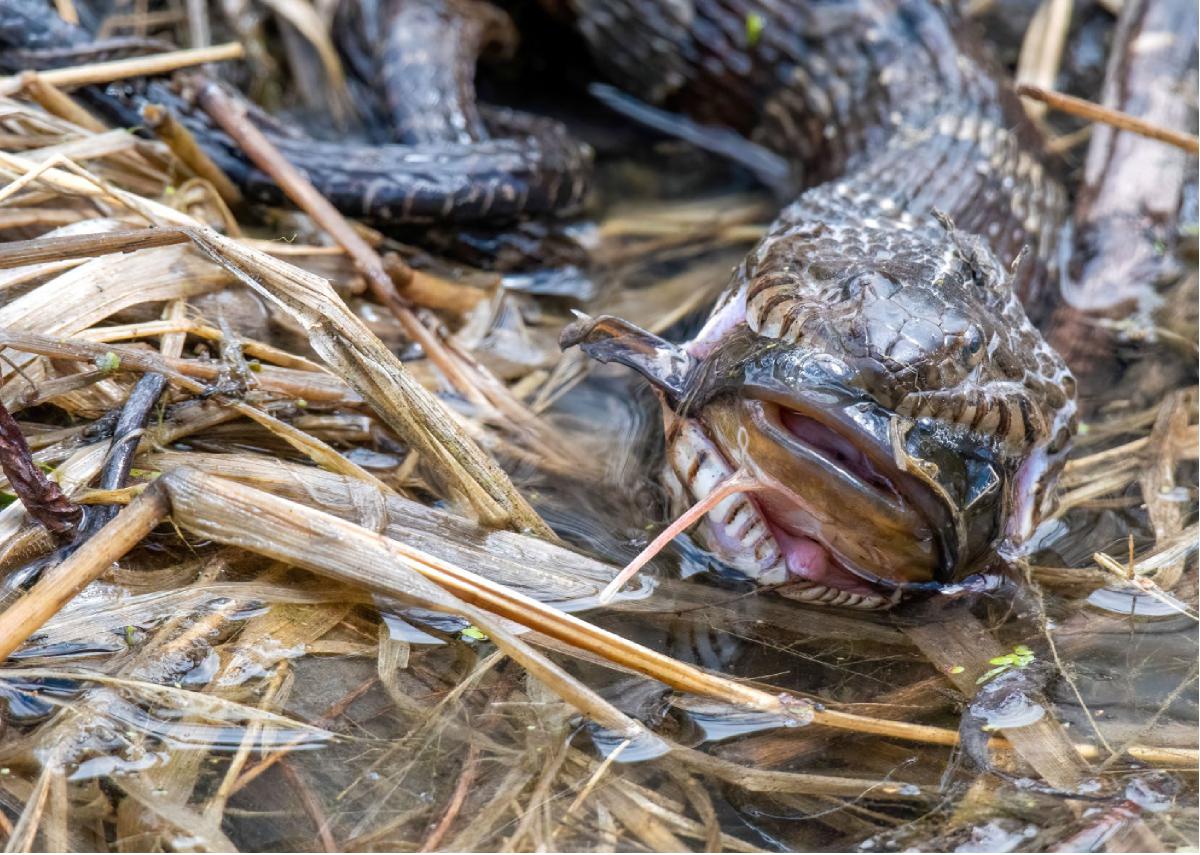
885, 108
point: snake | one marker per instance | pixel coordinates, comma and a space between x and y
873, 375
870, 411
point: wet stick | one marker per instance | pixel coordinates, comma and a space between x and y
223, 510
1108, 116
298, 781
960, 647
56, 587
131, 424
227, 512
333, 547
466, 777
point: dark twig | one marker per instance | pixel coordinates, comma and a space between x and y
126, 435
43, 499
312, 805
131, 424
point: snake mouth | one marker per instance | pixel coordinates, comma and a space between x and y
831, 517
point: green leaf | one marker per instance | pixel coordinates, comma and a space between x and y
474, 634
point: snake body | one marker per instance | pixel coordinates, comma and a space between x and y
525, 166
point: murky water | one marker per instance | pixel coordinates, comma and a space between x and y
202, 697
325, 725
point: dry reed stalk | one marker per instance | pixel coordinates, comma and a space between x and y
643, 824
333, 547
1042, 48
57, 103
59, 585
221, 510
545, 570
475, 382
1169, 440
1097, 113
308, 22
275, 687
183, 145
232, 119
200, 510
199, 31
147, 361
179, 327
200, 833
464, 470
67, 11
20, 253
120, 69
22, 837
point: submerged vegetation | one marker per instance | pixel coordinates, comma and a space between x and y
305, 535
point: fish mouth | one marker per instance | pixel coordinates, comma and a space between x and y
834, 516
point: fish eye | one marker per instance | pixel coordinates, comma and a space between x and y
972, 343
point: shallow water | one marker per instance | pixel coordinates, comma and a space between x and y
390, 725
202, 697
